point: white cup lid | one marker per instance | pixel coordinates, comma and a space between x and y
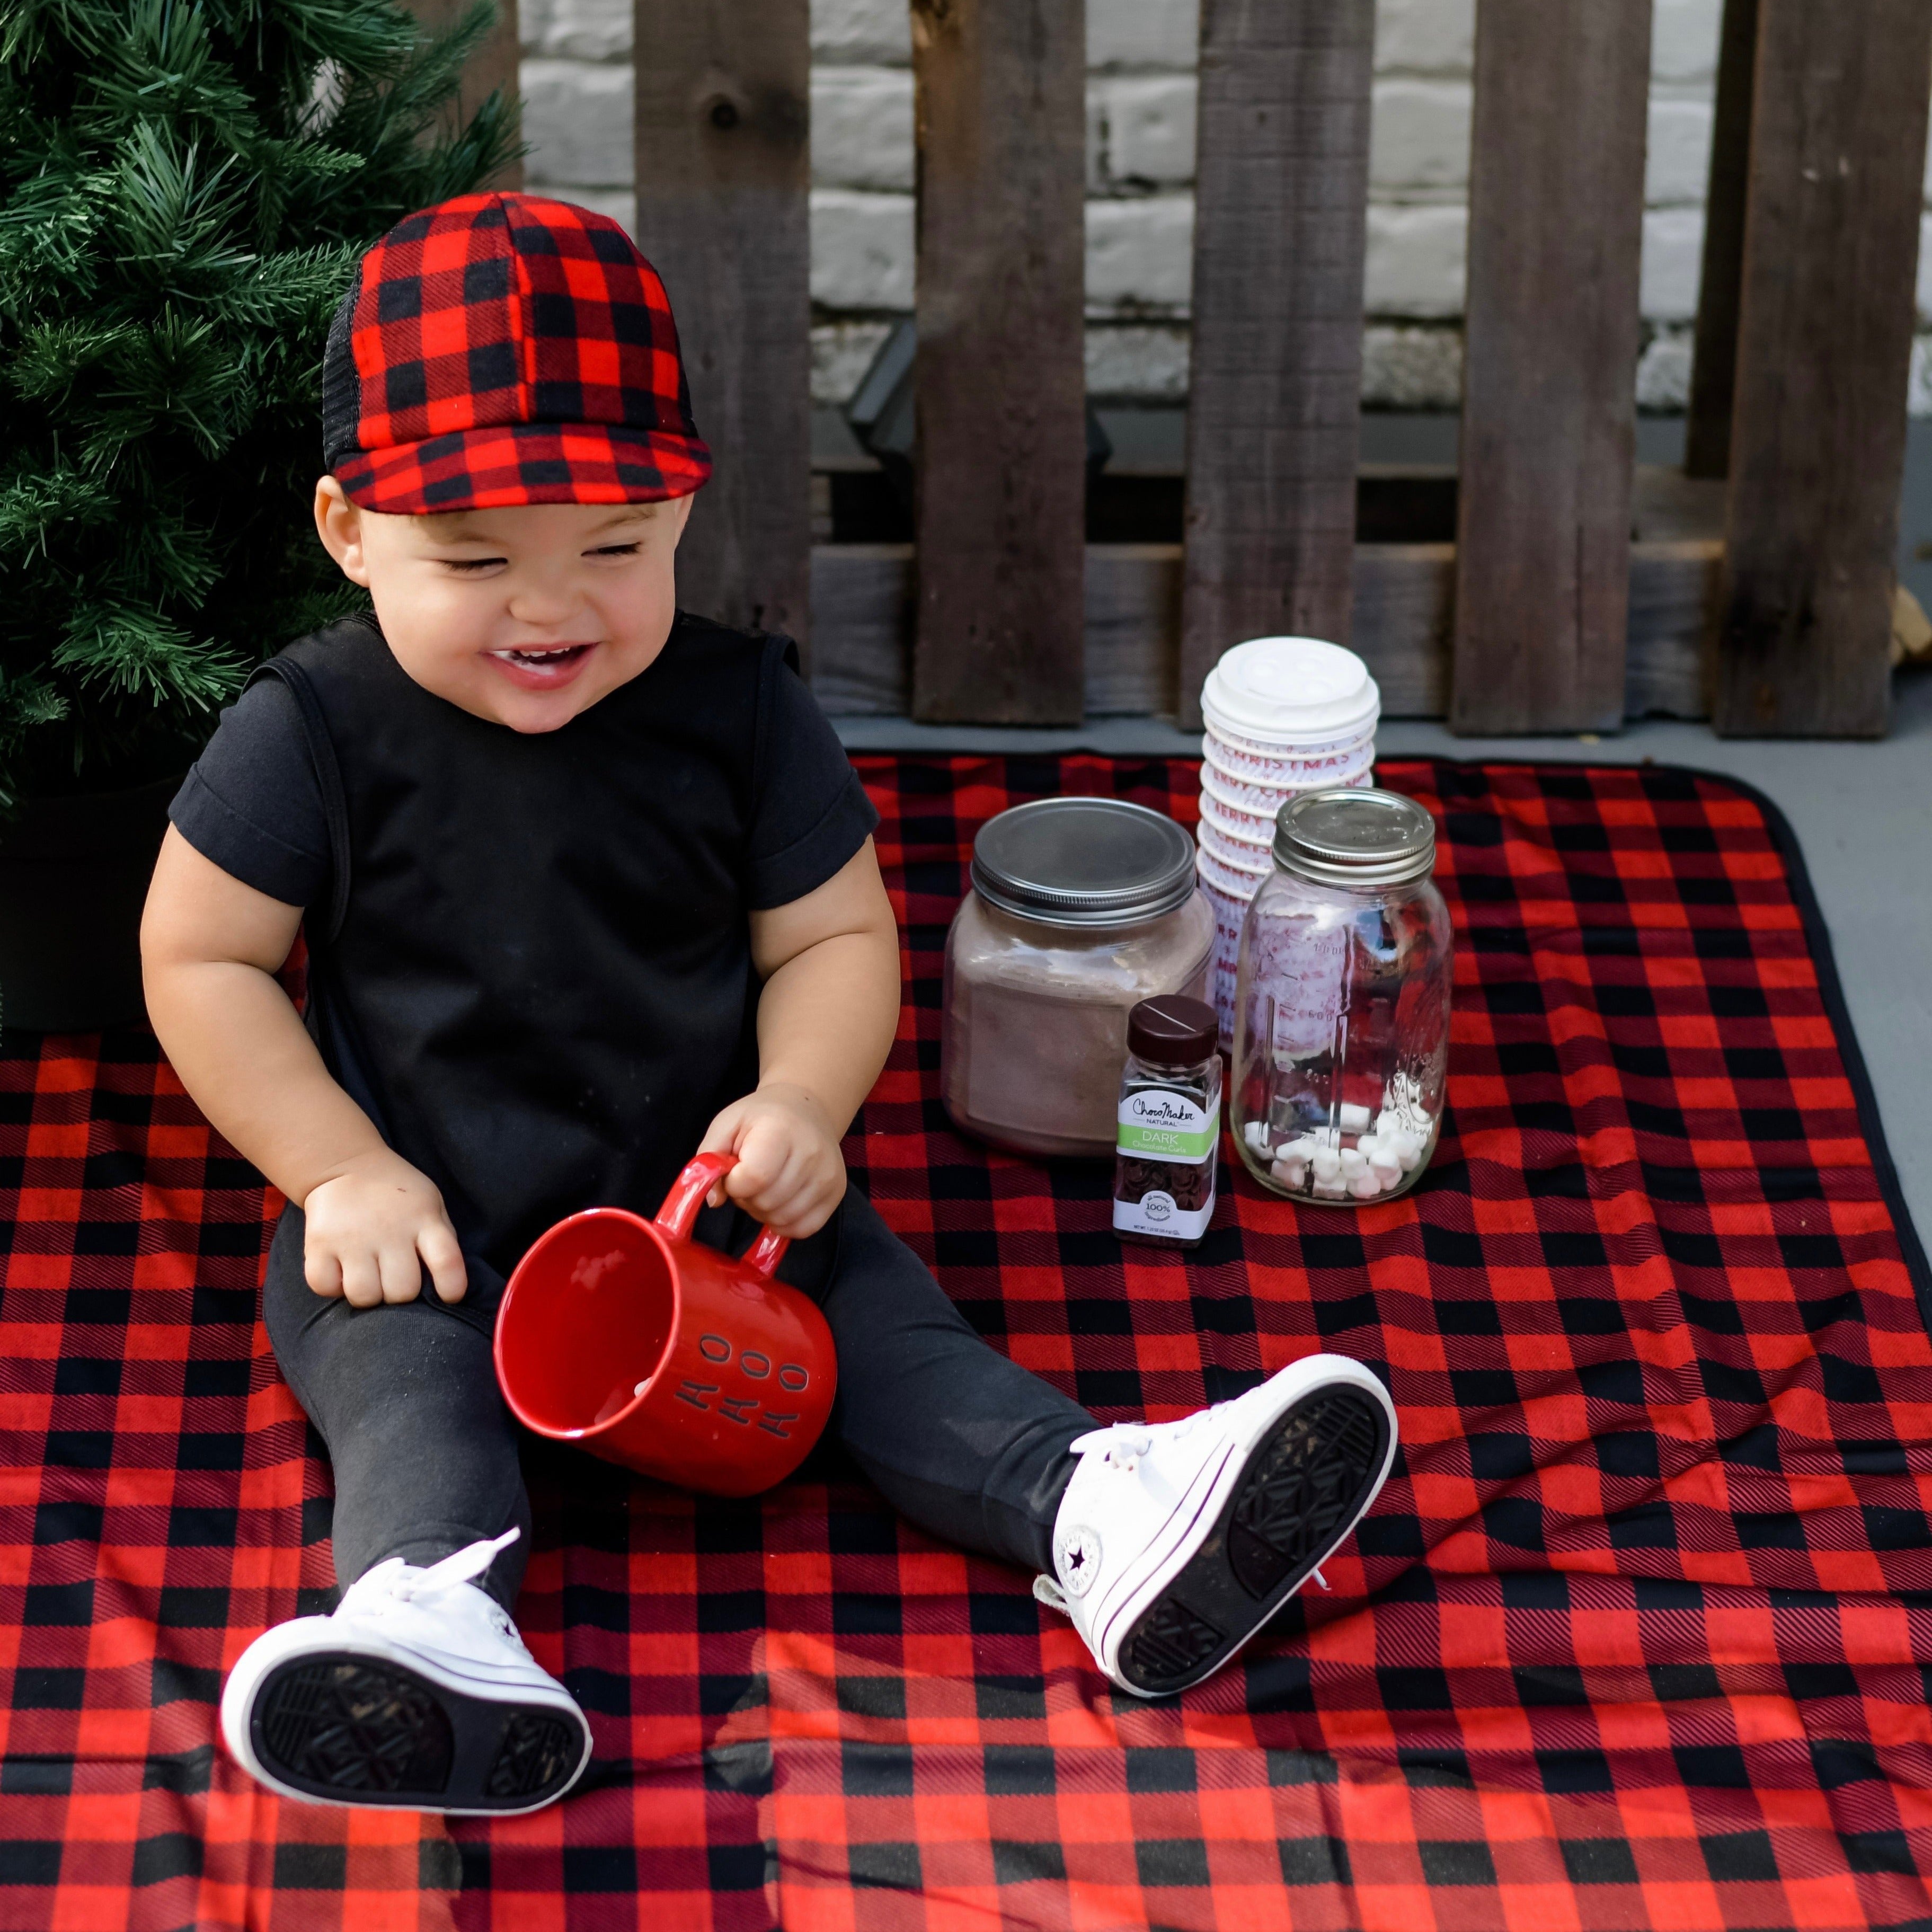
1289, 691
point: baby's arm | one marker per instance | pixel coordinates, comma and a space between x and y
210, 947
830, 963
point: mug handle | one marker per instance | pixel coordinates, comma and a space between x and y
679, 1213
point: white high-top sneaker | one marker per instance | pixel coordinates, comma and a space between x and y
1176, 1541
417, 1693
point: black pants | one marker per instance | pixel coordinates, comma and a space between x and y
962, 1442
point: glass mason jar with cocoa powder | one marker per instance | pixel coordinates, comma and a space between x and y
1080, 909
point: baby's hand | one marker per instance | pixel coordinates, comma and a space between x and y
373, 1229
790, 1173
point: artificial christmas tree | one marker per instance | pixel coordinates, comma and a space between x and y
185, 189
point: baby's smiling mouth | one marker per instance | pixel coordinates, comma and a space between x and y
542, 666
548, 657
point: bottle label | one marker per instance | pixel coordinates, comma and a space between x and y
1158, 1124
1157, 1213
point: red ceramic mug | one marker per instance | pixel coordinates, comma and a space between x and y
648, 1348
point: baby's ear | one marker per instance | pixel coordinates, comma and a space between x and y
339, 524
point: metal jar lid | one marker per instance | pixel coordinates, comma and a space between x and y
1354, 836
1083, 862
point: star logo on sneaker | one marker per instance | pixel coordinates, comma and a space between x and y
1079, 1560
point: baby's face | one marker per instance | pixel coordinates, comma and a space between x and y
525, 616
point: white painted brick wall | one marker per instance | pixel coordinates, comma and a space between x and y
862, 127
1122, 34
861, 249
577, 119
1140, 132
578, 30
1425, 36
1141, 113
850, 31
1419, 138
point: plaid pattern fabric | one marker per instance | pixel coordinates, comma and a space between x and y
502, 349
1633, 1639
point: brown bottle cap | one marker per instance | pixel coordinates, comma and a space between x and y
1172, 1030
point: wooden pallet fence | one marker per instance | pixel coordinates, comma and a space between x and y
723, 116
1549, 362
1824, 341
1274, 397
1403, 596
1714, 367
1578, 592
1000, 386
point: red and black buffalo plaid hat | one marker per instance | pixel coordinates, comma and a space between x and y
504, 349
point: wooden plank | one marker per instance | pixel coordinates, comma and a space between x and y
723, 88
1274, 397
1404, 598
1549, 421
1404, 617
862, 612
999, 88
1673, 624
1824, 344
1707, 442
492, 66
1132, 628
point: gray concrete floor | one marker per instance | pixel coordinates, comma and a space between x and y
1862, 814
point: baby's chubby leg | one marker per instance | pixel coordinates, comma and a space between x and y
416, 1691
1167, 1545
405, 1396
962, 1441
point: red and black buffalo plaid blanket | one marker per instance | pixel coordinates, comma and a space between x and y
1633, 1639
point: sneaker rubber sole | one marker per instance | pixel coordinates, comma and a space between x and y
350, 1729
1306, 1482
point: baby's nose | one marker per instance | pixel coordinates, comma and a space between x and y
540, 605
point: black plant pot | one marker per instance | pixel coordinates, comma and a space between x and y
73, 872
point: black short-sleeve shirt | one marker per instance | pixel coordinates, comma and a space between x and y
540, 987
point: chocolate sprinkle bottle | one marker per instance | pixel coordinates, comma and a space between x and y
1170, 1123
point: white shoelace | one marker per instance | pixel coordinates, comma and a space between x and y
1123, 1444
408, 1584
465, 1566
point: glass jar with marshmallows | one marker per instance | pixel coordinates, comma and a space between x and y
1341, 1002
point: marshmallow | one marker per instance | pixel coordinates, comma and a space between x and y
1290, 1173
1354, 1161
1326, 1164
1331, 1190
1365, 1187
1354, 1120
1256, 1134
1386, 1168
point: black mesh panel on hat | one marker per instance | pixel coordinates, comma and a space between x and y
341, 389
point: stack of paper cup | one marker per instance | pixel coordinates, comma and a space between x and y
1284, 715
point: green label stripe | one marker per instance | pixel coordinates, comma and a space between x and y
1175, 1143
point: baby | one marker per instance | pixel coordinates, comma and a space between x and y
589, 886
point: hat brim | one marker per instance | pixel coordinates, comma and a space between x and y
525, 463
